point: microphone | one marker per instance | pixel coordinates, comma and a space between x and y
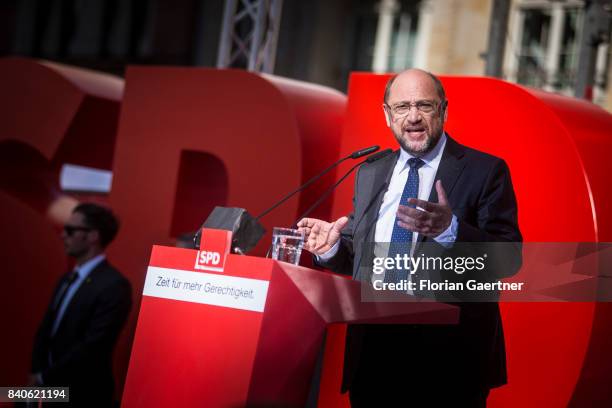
327, 192
355, 155
331, 189
364, 152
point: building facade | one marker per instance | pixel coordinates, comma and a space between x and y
319, 41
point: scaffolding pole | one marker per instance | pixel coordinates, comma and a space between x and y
249, 35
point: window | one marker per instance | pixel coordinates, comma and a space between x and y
544, 47
403, 40
568, 55
534, 46
386, 35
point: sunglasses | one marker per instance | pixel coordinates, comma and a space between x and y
71, 229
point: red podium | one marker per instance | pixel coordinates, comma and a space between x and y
222, 330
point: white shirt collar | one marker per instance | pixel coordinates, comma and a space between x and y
432, 158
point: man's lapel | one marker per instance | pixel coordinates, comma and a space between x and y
49, 317
378, 185
84, 294
451, 166
373, 186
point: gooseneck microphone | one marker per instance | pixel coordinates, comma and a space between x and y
364, 152
331, 189
355, 155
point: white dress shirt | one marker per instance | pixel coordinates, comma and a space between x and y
391, 199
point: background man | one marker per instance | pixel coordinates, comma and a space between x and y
74, 343
462, 195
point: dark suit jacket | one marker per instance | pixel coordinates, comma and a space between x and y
470, 355
83, 343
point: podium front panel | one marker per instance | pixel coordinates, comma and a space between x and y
197, 333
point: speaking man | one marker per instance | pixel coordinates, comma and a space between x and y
74, 343
432, 190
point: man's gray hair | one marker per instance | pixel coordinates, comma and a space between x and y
437, 84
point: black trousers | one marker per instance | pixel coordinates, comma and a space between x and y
406, 385
402, 366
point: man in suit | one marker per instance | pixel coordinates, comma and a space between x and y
74, 343
436, 192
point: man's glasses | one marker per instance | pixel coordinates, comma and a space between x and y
402, 109
71, 229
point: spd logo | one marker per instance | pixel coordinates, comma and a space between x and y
213, 251
207, 258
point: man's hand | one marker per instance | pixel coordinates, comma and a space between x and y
432, 220
320, 236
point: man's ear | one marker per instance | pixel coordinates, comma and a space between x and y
93, 237
445, 112
387, 118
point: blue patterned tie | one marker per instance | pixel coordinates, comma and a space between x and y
401, 238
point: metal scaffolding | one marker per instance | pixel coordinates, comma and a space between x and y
249, 34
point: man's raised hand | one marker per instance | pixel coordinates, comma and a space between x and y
320, 236
432, 220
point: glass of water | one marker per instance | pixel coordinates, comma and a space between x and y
287, 245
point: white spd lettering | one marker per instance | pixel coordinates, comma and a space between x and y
208, 258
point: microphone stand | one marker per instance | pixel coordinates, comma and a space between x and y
330, 190
354, 155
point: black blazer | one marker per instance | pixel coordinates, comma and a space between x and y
83, 343
470, 355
